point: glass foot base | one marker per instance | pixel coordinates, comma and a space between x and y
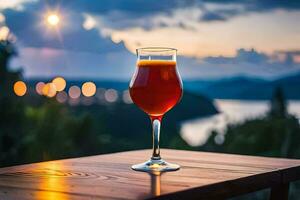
155, 166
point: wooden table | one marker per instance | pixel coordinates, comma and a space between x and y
202, 176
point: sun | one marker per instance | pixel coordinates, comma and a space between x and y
53, 19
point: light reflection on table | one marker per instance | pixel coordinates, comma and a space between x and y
155, 183
53, 183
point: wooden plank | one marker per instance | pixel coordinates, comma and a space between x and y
203, 175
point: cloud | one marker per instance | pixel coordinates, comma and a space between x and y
90, 42
15, 4
258, 5
211, 16
48, 63
245, 62
72, 51
99, 21
29, 28
290, 57
133, 7
120, 65
243, 55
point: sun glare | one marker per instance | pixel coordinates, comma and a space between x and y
53, 19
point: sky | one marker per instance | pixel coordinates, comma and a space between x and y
97, 39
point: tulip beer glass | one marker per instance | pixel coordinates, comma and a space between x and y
156, 87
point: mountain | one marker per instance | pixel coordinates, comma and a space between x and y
239, 87
242, 87
192, 105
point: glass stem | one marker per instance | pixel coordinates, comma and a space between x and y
155, 136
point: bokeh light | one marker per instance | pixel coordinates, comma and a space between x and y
60, 83
39, 87
126, 97
53, 19
2, 18
74, 92
4, 32
49, 90
62, 97
20, 88
219, 139
88, 89
111, 95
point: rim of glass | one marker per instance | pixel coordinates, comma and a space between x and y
156, 49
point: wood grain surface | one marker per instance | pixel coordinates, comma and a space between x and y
202, 176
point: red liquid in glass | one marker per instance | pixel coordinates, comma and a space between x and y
156, 86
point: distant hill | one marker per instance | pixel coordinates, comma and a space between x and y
128, 123
242, 87
239, 87
192, 105
122, 127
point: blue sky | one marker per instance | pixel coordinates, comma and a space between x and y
97, 39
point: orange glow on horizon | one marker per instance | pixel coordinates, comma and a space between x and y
20, 88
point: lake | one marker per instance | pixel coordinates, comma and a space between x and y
195, 132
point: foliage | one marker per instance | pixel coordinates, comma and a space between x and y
276, 134
31, 133
52, 132
268, 136
11, 110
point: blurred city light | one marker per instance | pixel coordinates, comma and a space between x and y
60, 83
111, 95
2, 18
74, 92
62, 97
49, 90
88, 89
4, 32
126, 97
39, 87
20, 88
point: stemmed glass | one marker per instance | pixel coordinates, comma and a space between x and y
156, 87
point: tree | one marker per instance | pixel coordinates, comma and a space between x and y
7, 51
278, 104
11, 110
